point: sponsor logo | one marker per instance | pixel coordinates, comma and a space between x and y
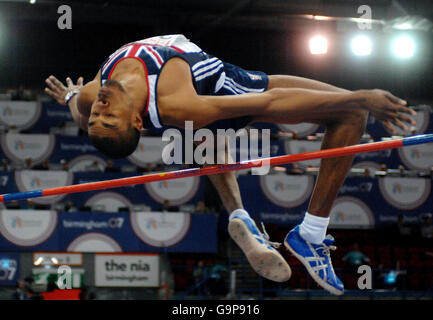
351, 212
7, 111
362, 187
21, 114
339, 216
27, 180
27, 227
127, 270
8, 269
417, 153
154, 224
18, 222
160, 229
278, 217
83, 148
177, 191
18, 147
399, 188
151, 224
37, 182
112, 223
285, 190
419, 157
393, 218
405, 193
285, 186
21, 145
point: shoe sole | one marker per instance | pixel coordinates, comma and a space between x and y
267, 263
316, 278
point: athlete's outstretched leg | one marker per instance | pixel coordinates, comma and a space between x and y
260, 252
307, 240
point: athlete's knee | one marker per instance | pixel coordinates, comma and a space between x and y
357, 119
360, 116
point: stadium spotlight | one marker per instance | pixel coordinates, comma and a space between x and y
403, 47
318, 45
32, 1
361, 45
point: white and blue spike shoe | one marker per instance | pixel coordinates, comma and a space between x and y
316, 258
260, 252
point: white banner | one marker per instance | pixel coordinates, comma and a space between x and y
123, 270
370, 165
149, 150
57, 259
301, 129
160, 229
18, 147
80, 163
350, 212
417, 157
21, 114
109, 201
27, 180
177, 191
405, 193
287, 191
27, 227
422, 119
300, 146
94, 242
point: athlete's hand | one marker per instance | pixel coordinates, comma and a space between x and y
388, 109
58, 91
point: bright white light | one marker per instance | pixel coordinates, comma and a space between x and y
404, 26
54, 260
38, 261
32, 1
404, 47
361, 46
318, 45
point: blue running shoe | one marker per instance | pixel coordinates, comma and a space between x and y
260, 252
316, 258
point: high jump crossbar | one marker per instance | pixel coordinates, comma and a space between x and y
221, 168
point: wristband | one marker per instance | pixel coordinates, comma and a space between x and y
70, 94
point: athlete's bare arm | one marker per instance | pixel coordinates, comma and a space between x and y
81, 103
178, 101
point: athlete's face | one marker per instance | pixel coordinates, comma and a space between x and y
111, 111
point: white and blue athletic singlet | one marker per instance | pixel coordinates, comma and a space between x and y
211, 76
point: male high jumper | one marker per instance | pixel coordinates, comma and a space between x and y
167, 80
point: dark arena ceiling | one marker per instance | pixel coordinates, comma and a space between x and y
268, 35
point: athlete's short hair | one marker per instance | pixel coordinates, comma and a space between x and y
118, 147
